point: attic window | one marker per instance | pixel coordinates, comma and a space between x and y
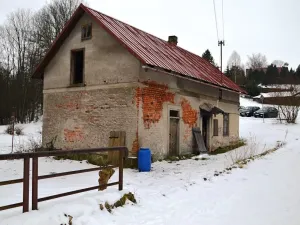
86, 31
77, 66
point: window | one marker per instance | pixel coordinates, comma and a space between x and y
216, 127
86, 31
225, 124
77, 66
220, 94
174, 113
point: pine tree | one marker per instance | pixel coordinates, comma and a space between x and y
272, 75
207, 55
298, 71
227, 72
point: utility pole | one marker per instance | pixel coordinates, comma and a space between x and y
235, 73
221, 44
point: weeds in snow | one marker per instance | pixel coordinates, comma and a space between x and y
33, 144
120, 203
248, 151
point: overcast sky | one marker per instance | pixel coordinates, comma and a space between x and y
270, 27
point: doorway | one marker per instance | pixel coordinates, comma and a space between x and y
174, 133
205, 129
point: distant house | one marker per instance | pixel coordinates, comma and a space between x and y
103, 75
264, 69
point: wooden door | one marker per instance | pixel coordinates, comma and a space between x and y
116, 138
205, 120
173, 136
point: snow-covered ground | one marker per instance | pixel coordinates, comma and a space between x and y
264, 192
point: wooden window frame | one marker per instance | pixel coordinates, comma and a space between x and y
72, 84
215, 127
86, 26
226, 131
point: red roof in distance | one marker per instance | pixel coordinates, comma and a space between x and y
150, 50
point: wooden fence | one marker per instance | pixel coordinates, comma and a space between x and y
123, 152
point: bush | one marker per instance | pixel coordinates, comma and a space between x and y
9, 129
19, 130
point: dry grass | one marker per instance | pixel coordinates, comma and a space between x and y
33, 144
247, 152
232, 146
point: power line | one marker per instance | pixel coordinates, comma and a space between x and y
223, 19
216, 20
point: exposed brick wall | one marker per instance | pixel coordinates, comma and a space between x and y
135, 145
75, 135
152, 97
84, 119
189, 115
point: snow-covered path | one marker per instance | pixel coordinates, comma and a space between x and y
264, 192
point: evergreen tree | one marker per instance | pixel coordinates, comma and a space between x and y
227, 72
272, 75
298, 71
256, 76
236, 74
207, 55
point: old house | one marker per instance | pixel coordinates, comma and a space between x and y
103, 75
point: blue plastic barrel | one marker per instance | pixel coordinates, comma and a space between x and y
144, 160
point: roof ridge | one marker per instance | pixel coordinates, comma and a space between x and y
126, 24
140, 30
177, 46
148, 48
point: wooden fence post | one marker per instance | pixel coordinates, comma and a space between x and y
26, 185
35, 170
121, 166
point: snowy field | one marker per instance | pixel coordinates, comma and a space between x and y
264, 192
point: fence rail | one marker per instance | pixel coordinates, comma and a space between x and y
123, 152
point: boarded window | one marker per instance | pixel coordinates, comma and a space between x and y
216, 125
86, 31
226, 124
77, 65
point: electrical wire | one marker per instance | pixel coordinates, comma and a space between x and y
223, 19
216, 20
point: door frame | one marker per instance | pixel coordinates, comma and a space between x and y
175, 108
208, 129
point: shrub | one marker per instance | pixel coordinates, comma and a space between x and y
19, 130
9, 129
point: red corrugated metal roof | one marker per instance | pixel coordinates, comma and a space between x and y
156, 52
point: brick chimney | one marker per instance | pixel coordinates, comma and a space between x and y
173, 40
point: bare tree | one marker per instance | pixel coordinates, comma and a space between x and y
289, 105
24, 39
280, 63
50, 20
234, 60
257, 61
